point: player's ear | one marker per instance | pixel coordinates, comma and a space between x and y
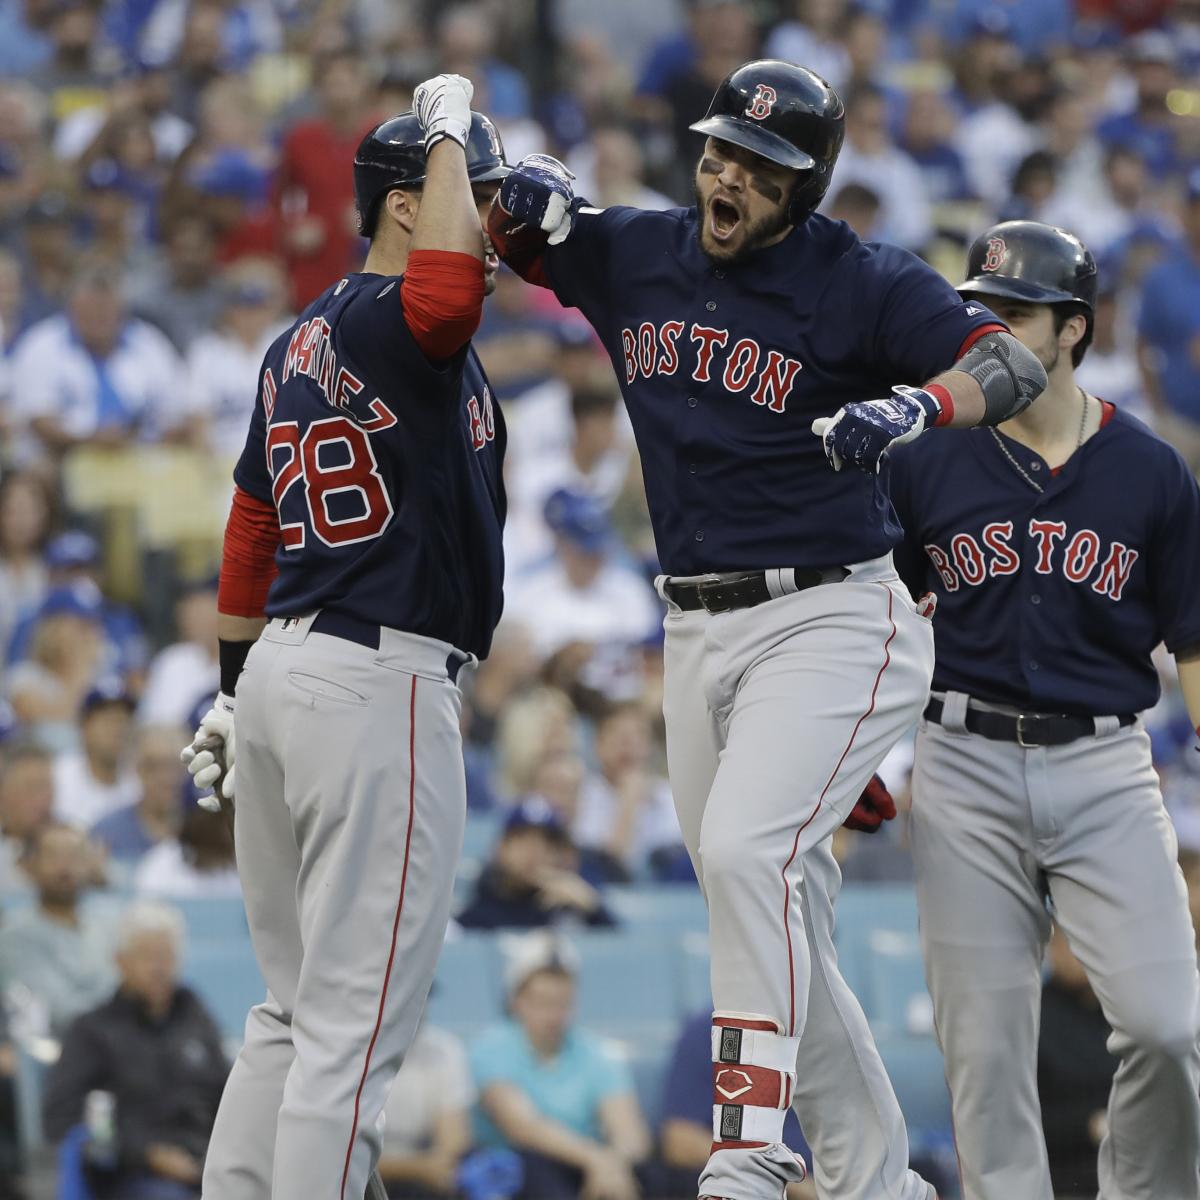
401, 205
1072, 331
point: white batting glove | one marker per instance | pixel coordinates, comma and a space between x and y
443, 107
209, 756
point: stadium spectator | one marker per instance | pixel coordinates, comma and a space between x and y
48, 249
552, 1091
685, 1136
928, 139
610, 169
508, 670
198, 862
1148, 128
528, 883
76, 75
96, 779
65, 660
427, 1117
1110, 213
187, 671
626, 817
315, 212
1110, 369
243, 30
466, 37
585, 595
156, 1050
95, 375
223, 363
58, 952
1075, 1072
25, 513
812, 36
1169, 329
131, 832
534, 724
870, 157
26, 804
1032, 188
180, 290
859, 206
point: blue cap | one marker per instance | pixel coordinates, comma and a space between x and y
992, 21
580, 518
1152, 46
74, 548
109, 690
536, 813
232, 173
81, 598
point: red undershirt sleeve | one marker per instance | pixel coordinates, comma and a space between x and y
248, 556
442, 295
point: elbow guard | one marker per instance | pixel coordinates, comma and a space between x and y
1008, 373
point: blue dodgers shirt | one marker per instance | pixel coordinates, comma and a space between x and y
385, 470
1052, 602
567, 1088
724, 368
1169, 321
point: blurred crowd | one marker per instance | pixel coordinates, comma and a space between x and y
175, 185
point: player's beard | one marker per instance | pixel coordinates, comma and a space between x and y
755, 234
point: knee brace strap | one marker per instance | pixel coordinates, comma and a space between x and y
754, 1068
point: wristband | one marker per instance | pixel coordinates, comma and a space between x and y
945, 403
232, 657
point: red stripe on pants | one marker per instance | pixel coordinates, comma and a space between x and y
412, 795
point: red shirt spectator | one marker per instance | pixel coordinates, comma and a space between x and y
315, 204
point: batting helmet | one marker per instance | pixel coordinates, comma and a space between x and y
786, 114
1041, 264
392, 156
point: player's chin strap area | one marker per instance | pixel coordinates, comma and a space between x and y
754, 1071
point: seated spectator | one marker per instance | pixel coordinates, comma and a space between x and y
156, 1050
48, 247
186, 672
533, 724
199, 862
859, 206
1169, 332
528, 882
66, 653
1111, 367
466, 34
223, 363
609, 169
626, 820
26, 803
96, 779
131, 832
685, 1139
427, 1117
58, 951
555, 1093
24, 524
585, 595
810, 33
1075, 1072
871, 158
95, 375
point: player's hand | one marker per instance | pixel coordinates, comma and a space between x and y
538, 192
443, 107
861, 434
209, 755
874, 807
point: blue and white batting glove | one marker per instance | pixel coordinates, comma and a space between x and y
443, 107
860, 434
538, 192
209, 755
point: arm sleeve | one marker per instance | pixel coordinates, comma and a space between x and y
248, 556
922, 325
1174, 552
442, 297
80, 1069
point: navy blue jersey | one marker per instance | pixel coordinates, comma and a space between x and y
1052, 602
724, 369
385, 470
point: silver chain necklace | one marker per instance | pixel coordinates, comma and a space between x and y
1016, 466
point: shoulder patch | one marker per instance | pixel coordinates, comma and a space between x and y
385, 291
341, 287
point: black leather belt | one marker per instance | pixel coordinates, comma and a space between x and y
744, 591
365, 633
1026, 729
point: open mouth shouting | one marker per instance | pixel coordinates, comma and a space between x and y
724, 217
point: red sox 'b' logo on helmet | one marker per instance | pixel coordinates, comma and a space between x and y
762, 103
995, 254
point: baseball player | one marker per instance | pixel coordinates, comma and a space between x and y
372, 476
794, 656
1062, 547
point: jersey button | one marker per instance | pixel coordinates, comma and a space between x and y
1033, 664
719, 273
691, 468
711, 306
1035, 599
1037, 466
699, 535
692, 402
